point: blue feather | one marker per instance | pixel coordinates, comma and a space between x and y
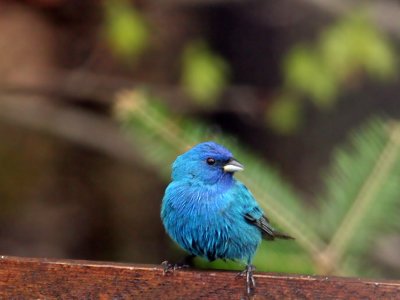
209, 213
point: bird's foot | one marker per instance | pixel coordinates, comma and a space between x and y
250, 282
169, 268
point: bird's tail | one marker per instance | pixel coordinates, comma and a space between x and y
281, 235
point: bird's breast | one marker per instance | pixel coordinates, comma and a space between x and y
208, 223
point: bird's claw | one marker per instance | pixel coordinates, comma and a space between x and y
250, 282
169, 268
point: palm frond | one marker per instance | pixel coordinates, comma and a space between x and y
362, 191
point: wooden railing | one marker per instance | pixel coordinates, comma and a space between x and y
33, 278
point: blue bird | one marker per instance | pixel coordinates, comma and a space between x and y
209, 213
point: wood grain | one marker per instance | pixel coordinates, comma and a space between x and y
33, 278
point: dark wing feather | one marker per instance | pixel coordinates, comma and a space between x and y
267, 230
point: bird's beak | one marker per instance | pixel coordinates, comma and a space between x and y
233, 166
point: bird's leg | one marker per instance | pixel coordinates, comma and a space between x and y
187, 262
250, 282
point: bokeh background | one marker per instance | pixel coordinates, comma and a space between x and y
98, 97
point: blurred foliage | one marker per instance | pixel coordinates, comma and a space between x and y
204, 73
287, 111
344, 53
362, 192
359, 204
320, 72
282, 257
306, 73
125, 29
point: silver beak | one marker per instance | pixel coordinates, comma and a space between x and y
233, 166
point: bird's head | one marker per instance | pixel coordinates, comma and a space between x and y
207, 162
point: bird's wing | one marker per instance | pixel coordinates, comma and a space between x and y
255, 216
263, 224
267, 230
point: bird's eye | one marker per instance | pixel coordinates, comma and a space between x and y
210, 161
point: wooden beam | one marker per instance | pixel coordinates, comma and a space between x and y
34, 278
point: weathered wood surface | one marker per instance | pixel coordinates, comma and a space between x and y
31, 278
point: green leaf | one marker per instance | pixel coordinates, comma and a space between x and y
204, 74
354, 43
125, 29
353, 46
306, 74
285, 114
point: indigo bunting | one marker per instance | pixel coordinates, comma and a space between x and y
209, 213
